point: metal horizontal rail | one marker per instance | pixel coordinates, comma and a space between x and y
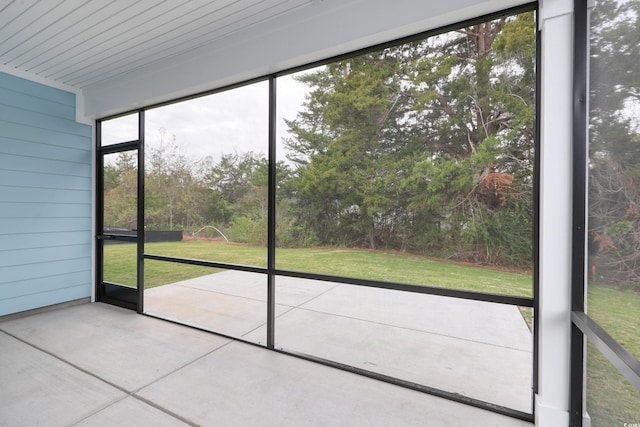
124, 237
430, 290
104, 282
619, 357
456, 397
204, 263
122, 146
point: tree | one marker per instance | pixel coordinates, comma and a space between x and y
121, 192
423, 145
173, 195
237, 195
478, 102
614, 142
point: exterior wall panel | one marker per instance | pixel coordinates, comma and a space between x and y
45, 197
43, 299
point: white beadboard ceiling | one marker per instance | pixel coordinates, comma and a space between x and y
83, 42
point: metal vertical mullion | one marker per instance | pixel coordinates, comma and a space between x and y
99, 214
140, 220
580, 72
271, 216
536, 212
579, 155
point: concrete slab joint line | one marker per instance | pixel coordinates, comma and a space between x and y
107, 405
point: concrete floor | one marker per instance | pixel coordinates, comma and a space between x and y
477, 349
99, 365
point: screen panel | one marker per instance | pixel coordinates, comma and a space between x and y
118, 130
477, 349
614, 183
399, 159
206, 177
228, 302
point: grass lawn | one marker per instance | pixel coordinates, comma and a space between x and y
611, 399
120, 266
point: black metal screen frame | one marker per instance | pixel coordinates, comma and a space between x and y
582, 326
272, 272
108, 292
536, 214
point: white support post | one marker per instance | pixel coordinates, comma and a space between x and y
552, 399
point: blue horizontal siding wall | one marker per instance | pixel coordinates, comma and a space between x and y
45, 197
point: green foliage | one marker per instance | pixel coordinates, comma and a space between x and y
376, 265
173, 194
425, 147
247, 230
614, 217
120, 192
614, 142
611, 399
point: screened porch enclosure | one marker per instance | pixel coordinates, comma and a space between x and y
413, 200
374, 212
